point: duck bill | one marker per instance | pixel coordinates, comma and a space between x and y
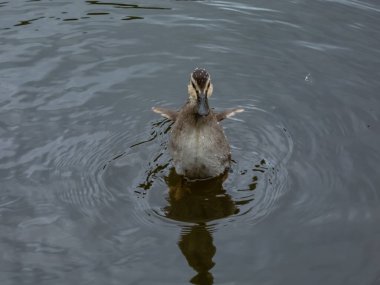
203, 108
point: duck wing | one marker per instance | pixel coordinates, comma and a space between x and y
228, 113
170, 114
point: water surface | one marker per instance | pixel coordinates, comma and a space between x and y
88, 194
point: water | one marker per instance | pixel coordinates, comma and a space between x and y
88, 195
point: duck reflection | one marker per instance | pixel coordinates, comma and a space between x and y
197, 246
198, 202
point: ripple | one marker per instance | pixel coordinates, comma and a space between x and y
260, 173
246, 194
319, 46
356, 4
80, 162
87, 183
82, 11
27, 22
125, 6
239, 7
138, 169
40, 221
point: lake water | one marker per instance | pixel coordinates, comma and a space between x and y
88, 194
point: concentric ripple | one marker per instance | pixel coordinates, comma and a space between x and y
247, 193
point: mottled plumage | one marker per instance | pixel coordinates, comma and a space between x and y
197, 143
200, 76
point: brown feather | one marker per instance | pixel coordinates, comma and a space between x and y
170, 114
228, 113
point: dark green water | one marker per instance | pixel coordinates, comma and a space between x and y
87, 194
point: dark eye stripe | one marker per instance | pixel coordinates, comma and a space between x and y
192, 83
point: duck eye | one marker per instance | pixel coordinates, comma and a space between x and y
192, 83
208, 85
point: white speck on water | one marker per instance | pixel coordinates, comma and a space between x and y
308, 78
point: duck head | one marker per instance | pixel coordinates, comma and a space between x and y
200, 89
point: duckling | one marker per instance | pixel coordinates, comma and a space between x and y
197, 142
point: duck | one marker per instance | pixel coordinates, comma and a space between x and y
197, 143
